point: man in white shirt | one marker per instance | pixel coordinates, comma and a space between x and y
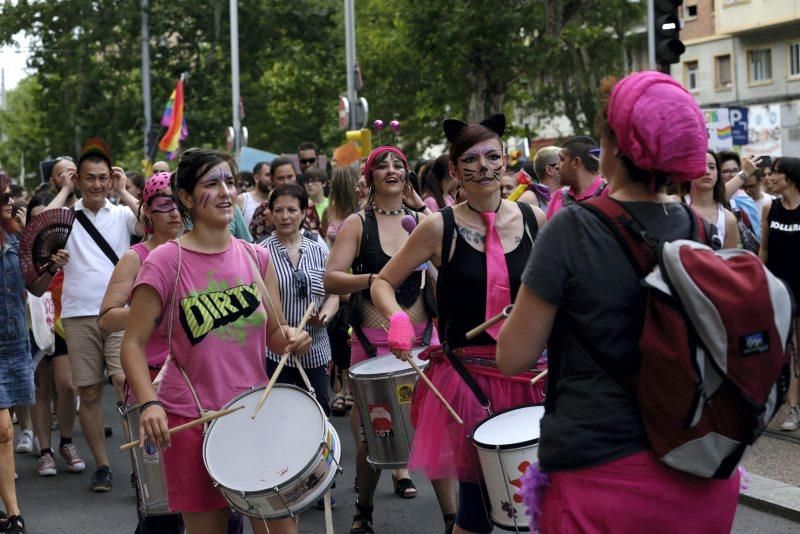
86, 276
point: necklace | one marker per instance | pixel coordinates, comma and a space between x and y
495, 210
385, 212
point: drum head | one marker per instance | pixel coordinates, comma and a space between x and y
252, 455
514, 428
386, 365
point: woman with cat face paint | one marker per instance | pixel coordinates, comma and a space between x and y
480, 247
211, 362
365, 243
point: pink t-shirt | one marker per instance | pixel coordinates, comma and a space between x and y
156, 349
557, 199
219, 327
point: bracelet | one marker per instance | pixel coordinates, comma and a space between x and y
52, 273
147, 404
369, 282
743, 175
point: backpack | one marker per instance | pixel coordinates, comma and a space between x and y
714, 340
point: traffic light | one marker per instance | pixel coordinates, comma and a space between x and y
667, 28
362, 138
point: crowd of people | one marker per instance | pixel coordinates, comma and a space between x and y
227, 262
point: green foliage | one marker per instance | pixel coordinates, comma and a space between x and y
421, 61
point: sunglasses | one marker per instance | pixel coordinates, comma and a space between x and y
300, 283
5, 198
595, 153
308, 161
63, 158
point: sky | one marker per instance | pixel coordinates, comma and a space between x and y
13, 62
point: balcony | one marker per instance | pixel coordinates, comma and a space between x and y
742, 16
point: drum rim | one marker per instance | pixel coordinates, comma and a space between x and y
510, 446
420, 363
289, 481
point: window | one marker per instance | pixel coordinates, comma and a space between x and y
794, 60
690, 75
759, 65
722, 73
691, 12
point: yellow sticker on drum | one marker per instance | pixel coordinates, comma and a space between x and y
404, 393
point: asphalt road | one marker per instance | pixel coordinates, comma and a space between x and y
63, 504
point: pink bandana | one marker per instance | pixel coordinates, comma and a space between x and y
154, 184
377, 152
658, 125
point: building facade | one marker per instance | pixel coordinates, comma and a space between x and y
743, 56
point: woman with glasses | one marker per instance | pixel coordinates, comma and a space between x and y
299, 263
218, 350
162, 222
366, 242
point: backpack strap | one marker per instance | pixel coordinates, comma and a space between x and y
529, 224
448, 233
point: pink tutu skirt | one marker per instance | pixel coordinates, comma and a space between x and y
637, 493
442, 448
380, 338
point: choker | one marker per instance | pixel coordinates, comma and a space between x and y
495, 210
390, 212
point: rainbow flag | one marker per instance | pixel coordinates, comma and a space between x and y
724, 132
174, 122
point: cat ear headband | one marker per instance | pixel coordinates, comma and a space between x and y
454, 127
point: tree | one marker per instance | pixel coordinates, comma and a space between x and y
24, 130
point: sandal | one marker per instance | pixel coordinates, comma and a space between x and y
348, 401
404, 487
362, 521
338, 406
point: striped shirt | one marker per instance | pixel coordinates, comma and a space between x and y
299, 286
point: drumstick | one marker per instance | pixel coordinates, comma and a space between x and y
436, 392
539, 377
491, 322
303, 375
282, 363
433, 388
199, 421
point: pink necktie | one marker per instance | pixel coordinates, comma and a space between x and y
498, 287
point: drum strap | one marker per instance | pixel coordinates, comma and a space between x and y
169, 336
468, 379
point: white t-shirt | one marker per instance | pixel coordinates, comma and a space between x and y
89, 269
249, 205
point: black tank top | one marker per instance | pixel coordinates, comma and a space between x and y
371, 259
461, 287
783, 241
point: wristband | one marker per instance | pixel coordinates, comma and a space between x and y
147, 404
401, 332
369, 280
52, 273
418, 210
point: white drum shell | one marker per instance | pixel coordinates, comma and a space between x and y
383, 388
502, 462
269, 444
151, 482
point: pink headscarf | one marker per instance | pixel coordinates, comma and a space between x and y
377, 152
658, 125
153, 185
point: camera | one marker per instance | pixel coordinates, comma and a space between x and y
764, 161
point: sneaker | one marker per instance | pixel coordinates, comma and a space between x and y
101, 480
70, 454
793, 420
47, 465
25, 443
15, 525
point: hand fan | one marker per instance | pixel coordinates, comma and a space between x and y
44, 235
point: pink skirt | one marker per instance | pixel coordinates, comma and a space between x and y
380, 338
442, 448
189, 486
635, 494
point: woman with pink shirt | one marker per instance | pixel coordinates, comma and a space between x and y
217, 351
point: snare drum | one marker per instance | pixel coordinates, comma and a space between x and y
383, 388
507, 444
277, 464
148, 469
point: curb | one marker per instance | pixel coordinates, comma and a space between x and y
773, 497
